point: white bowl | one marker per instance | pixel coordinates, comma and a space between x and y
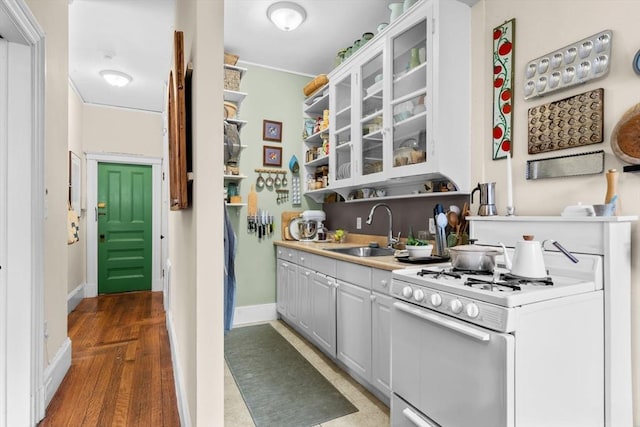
419, 251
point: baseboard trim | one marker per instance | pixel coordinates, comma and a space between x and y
254, 314
75, 297
90, 290
57, 369
181, 395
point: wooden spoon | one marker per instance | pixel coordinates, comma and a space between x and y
453, 220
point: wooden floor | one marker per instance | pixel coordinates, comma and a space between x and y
121, 372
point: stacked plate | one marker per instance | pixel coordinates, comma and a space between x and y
344, 171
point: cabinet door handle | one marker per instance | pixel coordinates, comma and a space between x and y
373, 297
384, 283
415, 418
444, 322
302, 259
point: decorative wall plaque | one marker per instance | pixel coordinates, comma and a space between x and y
503, 47
567, 123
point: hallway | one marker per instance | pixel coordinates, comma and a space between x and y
121, 372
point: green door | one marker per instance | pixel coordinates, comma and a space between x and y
124, 228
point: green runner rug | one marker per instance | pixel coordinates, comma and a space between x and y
280, 387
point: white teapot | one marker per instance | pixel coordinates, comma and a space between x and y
528, 260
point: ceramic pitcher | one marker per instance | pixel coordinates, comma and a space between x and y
396, 10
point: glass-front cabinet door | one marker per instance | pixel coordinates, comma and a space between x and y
370, 102
408, 121
341, 166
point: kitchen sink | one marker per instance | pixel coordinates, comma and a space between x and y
363, 251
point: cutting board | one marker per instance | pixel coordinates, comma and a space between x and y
252, 202
285, 218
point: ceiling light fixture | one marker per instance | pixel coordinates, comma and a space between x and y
116, 78
286, 15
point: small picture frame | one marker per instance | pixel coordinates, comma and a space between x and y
271, 131
271, 156
75, 173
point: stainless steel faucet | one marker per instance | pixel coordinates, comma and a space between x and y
390, 239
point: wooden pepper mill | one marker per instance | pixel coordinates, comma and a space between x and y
612, 188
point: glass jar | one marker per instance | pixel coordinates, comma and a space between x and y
340, 56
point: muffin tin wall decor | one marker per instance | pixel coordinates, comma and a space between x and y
576, 63
567, 123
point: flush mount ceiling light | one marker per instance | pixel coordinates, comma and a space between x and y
286, 16
116, 78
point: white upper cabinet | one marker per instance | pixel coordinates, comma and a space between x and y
400, 106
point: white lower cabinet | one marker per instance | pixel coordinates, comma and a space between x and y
287, 290
322, 295
305, 277
343, 309
354, 328
381, 342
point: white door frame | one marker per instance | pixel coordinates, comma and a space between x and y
91, 221
22, 398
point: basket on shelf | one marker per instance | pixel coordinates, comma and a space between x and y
231, 79
230, 58
230, 110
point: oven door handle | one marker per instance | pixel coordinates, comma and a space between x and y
415, 418
450, 324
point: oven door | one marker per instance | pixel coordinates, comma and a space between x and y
457, 374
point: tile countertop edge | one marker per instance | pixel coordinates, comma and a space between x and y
381, 262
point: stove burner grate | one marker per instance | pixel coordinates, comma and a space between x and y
474, 272
506, 283
437, 273
492, 285
547, 281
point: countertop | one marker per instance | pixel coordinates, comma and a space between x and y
353, 240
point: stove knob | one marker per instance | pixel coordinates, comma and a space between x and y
407, 292
418, 295
436, 300
472, 310
456, 306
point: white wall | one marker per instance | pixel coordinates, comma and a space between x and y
53, 17
77, 252
541, 27
119, 130
195, 245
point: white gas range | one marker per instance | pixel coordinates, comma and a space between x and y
489, 299
511, 354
